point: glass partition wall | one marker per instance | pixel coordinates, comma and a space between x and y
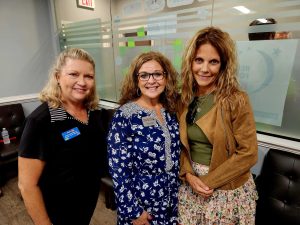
266, 32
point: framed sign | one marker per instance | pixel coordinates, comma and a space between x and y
86, 4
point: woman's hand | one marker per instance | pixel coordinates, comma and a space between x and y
198, 186
143, 219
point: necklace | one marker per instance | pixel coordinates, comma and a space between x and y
85, 122
202, 100
80, 116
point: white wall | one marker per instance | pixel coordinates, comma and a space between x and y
27, 46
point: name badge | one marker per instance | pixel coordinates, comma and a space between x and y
69, 134
148, 121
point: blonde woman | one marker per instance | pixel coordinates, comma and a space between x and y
61, 151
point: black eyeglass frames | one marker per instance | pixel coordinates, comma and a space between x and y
158, 75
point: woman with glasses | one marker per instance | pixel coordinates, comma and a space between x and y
143, 143
218, 134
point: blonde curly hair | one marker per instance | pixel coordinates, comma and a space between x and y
129, 90
226, 83
51, 93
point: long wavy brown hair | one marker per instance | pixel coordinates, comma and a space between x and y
226, 83
51, 93
129, 90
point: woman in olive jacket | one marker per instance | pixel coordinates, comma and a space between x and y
217, 130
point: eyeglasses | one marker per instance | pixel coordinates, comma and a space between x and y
192, 111
144, 76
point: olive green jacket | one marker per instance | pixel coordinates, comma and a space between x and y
231, 130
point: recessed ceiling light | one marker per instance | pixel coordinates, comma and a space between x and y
242, 9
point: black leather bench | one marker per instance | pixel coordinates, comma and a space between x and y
278, 188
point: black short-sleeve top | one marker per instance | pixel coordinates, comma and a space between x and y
74, 153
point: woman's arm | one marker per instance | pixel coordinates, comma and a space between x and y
30, 171
242, 137
120, 159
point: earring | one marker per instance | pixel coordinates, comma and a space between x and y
138, 92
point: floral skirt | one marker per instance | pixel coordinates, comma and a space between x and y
222, 207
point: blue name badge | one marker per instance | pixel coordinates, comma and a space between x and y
69, 134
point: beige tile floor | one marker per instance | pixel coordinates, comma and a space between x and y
13, 212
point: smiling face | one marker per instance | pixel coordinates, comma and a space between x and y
206, 67
151, 89
76, 80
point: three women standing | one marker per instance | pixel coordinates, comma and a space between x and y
217, 130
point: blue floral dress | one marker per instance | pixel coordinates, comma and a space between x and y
143, 157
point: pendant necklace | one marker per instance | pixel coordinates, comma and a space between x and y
202, 100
